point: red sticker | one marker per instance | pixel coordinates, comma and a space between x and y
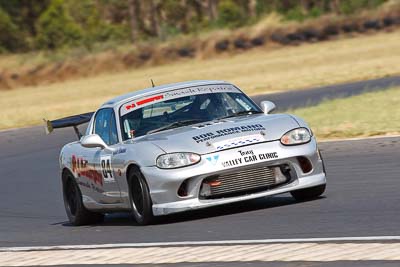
150, 99
81, 167
128, 107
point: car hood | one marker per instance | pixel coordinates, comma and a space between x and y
214, 136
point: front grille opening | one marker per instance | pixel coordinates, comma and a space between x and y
183, 189
245, 181
305, 164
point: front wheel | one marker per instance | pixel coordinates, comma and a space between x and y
76, 212
308, 193
140, 199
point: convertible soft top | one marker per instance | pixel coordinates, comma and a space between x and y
71, 121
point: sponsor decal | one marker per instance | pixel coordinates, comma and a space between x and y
149, 100
201, 90
120, 150
213, 159
187, 92
106, 169
232, 162
207, 124
133, 105
248, 156
273, 155
81, 167
91, 186
239, 141
227, 131
136, 103
129, 106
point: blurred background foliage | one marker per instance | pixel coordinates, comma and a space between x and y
27, 25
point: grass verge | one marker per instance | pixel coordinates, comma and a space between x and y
370, 114
257, 71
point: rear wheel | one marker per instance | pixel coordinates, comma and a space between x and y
309, 193
76, 212
140, 199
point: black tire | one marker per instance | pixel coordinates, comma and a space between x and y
308, 193
139, 196
76, 212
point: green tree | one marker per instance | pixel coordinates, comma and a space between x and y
56, 28
230, 14
350, 7
174, 14
10, 37
95, 29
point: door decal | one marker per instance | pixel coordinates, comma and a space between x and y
106, 169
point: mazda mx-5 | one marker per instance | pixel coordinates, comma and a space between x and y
181, 147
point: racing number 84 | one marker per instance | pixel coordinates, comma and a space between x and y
106, 169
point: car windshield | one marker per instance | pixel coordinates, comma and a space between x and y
167, 111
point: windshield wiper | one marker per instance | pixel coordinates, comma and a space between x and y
174, 125
241, 113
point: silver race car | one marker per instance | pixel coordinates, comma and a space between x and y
181, 147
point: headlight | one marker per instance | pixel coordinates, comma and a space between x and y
296, 137
177, 160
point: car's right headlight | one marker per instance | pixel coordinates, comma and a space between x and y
177, 160
296, 137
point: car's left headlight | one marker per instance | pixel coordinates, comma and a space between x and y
177, 160
296, 137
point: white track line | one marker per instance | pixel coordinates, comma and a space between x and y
293, 252
202, 243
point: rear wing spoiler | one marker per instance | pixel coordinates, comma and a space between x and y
71, 121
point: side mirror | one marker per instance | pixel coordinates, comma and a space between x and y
267, 106
93, 140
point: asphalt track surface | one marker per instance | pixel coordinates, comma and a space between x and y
303, 98
362, 198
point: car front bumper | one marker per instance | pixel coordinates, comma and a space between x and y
164, 184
